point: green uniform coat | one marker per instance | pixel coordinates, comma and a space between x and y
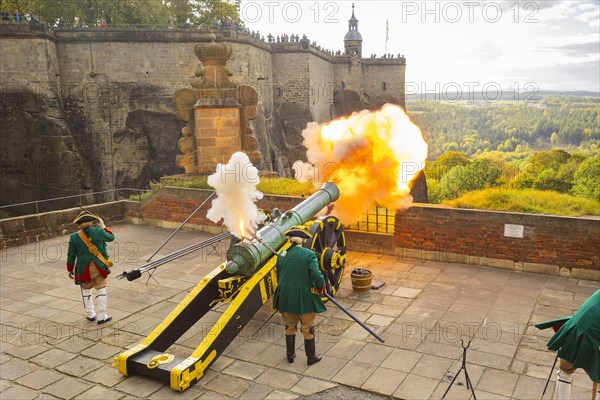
578, 339
297, 273
80, 252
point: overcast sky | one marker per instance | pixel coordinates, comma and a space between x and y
456, 45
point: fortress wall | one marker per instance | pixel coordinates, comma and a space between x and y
291, 75
95, 107
31, 62
392, 73
322, 85
251, 66
119, 86
554, 245
351, 75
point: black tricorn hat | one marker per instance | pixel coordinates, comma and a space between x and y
298, 232
84, 216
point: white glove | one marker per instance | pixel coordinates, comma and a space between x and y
71, 276
101, 223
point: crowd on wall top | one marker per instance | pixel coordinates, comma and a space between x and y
217, 25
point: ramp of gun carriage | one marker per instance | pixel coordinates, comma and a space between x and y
49, 349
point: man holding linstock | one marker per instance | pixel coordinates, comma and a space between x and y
300, 284
88, 263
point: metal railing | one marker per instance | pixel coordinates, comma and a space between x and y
376, 220
81, 200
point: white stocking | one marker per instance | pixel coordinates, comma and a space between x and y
563, 385
88, 303
101, 299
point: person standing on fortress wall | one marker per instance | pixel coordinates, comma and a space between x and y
17, 16
88, 263
577, 340
297, 297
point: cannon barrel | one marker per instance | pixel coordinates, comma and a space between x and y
247, 256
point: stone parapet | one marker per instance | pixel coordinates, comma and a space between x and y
35, 227
552, 245
555, 245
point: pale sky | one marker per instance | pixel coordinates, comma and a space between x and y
516, 45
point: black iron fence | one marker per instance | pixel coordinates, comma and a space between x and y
376, 220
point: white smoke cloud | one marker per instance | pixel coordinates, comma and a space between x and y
235, 184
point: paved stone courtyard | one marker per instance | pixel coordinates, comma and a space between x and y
49, 350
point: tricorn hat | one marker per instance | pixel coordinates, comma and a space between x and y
298, 232
84, 216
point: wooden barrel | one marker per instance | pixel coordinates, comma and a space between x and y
361, 280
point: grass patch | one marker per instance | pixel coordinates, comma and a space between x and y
527, 201
286, 187
276, 186
194, 183
141, 196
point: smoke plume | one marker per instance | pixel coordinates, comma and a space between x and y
235, 184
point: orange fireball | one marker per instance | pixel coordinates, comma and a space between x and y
371, 155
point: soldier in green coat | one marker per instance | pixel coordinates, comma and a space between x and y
297, 297
88, 263
577, 340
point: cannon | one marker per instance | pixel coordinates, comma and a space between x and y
245, 282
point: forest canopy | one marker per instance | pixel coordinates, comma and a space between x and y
558, 122
127, 13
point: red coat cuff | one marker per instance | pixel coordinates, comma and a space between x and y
108, 230
70, 267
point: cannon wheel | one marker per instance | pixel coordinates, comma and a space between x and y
329, 243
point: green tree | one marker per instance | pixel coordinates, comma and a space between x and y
587, 178
209, 11
438, 168
548, 170
480, 174
145, 13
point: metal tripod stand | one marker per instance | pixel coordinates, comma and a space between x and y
463, 367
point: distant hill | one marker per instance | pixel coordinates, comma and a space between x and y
507, 95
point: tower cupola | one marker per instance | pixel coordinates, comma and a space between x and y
353, 39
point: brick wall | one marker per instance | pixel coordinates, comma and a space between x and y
170, 206
555, 245
552, 245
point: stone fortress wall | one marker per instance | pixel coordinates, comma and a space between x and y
96, 106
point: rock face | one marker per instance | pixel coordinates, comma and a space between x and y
40, 157
286, 138
144, 151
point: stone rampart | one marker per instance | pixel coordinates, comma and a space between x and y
36, 227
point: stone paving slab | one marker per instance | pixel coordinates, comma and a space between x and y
48, 350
